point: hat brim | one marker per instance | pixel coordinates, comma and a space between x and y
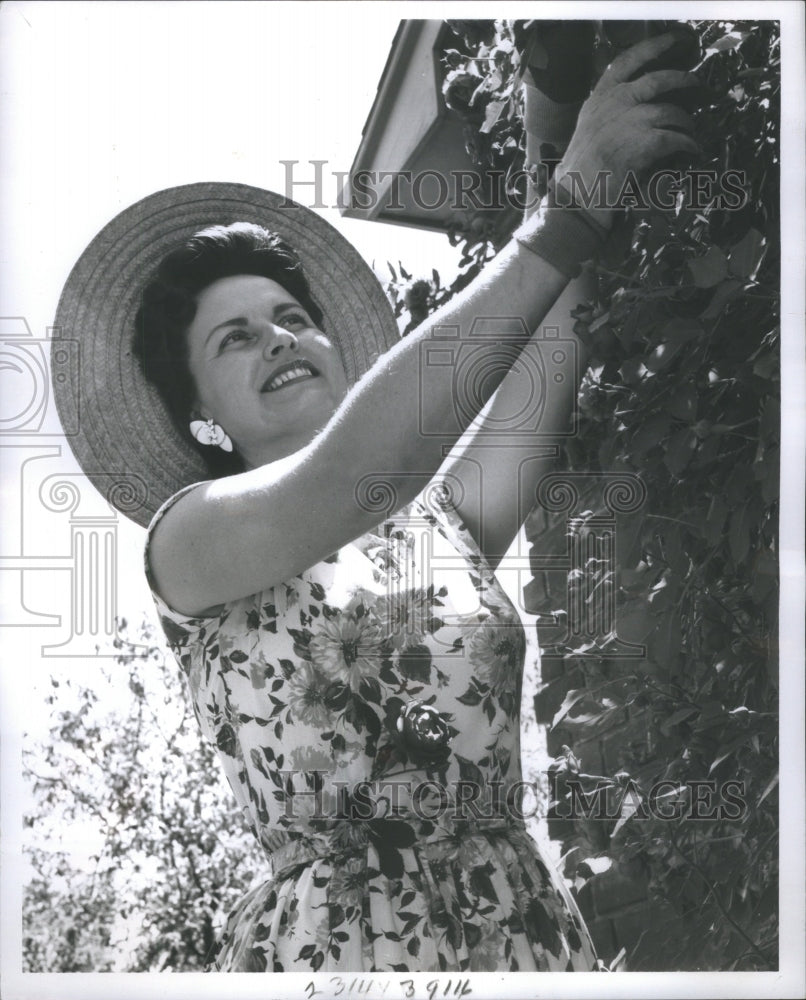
125, 440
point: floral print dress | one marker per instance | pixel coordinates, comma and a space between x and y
366, 713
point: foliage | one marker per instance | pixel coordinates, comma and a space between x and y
682, 389
481, 88
173, 853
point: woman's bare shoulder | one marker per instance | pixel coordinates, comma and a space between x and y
229, 538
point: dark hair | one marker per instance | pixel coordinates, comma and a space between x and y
168, 305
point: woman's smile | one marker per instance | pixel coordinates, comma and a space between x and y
290, 373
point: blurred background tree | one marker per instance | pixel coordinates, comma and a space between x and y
135, 844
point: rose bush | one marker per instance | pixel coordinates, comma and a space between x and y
682, 390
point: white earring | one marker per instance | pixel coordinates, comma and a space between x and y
209, 433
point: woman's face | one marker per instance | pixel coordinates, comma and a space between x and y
261, 369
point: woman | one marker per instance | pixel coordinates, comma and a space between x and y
361, 681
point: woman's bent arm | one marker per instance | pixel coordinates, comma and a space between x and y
237, 536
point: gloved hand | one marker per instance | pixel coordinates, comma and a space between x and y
558, 74
626, 126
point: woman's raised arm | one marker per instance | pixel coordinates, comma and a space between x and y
236, 536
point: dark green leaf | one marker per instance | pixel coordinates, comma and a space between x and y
724, 293
739, 534
746, 255
680, 450
709, 269
683, 404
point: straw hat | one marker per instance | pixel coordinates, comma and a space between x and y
126, 442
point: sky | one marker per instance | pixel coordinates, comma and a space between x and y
108, 102
103, 103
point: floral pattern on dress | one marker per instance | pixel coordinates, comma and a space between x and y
382, 858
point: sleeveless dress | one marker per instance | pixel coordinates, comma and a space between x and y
366, 713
